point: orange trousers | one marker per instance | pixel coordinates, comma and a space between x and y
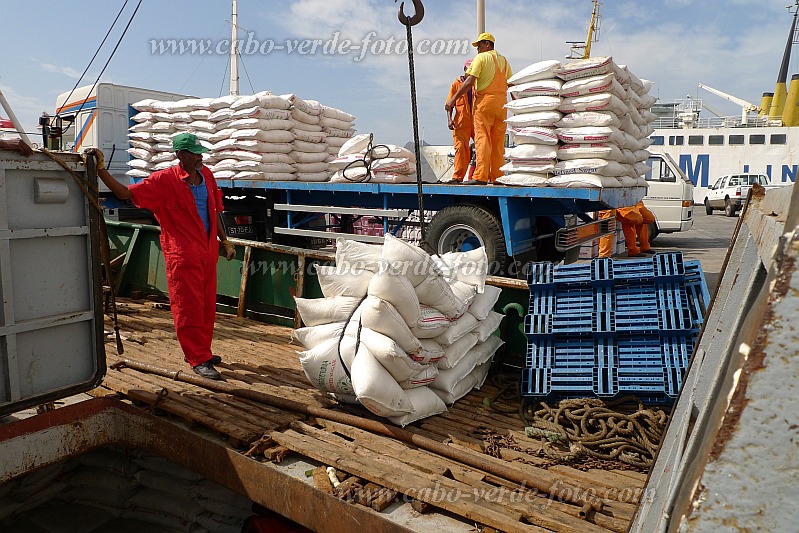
489, 136
634, 224
460, 140
606, 242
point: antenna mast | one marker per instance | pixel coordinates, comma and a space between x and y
234, 50
580, 50
780, 91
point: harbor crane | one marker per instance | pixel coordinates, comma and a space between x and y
746, 107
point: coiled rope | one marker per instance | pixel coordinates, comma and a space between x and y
583, 432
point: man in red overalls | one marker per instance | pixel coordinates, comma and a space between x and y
185, 200
488, 73
462, 126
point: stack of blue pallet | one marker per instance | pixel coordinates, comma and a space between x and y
612, 328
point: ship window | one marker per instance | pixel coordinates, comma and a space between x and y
696, 140
778, 138
757, 139
657, 140
676, 140
715, 140
736, 139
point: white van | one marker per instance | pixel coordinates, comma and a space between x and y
670, 196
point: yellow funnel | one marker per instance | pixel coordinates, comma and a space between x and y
790, 115
765, 104
778, 102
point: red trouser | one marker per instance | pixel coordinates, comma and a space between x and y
460, 140
192, 295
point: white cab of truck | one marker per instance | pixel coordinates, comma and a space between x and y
100, 118
670, 196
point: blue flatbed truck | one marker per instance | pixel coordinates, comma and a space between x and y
513, 223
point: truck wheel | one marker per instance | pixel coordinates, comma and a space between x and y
460, 228
653, 231
729, 209
708, 209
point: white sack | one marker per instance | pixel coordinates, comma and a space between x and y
432, 323
379, 315
315, 311
376, 389
425, 403
389, 285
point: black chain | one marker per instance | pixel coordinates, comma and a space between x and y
373, 153
414, 111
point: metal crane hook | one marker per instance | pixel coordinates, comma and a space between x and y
416, 18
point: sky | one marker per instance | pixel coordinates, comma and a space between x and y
733, 45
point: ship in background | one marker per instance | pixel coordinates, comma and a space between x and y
763, 139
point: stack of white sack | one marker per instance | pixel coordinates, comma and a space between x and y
533, 108
310, 142
339, 127
603, 130
601, 124
262, 137
256, 144
157, 122
397, 331
387, 163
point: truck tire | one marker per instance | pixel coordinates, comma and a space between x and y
729, 209
653, 231
465, 227
708, 209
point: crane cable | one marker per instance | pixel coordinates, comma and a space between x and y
119, 41
66, 100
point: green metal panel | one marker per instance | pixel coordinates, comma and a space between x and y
513, 303
272, 284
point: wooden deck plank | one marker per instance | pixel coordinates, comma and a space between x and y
261, 357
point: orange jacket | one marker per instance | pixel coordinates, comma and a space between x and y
463, 106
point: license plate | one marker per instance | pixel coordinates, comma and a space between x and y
238, 230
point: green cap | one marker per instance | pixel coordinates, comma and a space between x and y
188, 142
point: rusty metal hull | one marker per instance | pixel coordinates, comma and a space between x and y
52, 437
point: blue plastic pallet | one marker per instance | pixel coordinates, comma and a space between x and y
698, 295
662, 268
611, 328
669, 267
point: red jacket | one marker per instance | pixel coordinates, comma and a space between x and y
167, 194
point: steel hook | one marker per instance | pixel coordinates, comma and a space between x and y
416, 18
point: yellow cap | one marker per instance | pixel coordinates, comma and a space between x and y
483, 37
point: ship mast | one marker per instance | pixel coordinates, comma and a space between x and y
234, 58
780, 91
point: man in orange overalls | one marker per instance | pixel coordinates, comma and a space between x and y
185, 200
462, 126
634, 224
488, 73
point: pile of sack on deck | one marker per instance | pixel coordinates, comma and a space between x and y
398, 331
581, 124
262, 137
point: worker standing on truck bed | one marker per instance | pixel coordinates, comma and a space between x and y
462, 126
488, 73
185, 200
